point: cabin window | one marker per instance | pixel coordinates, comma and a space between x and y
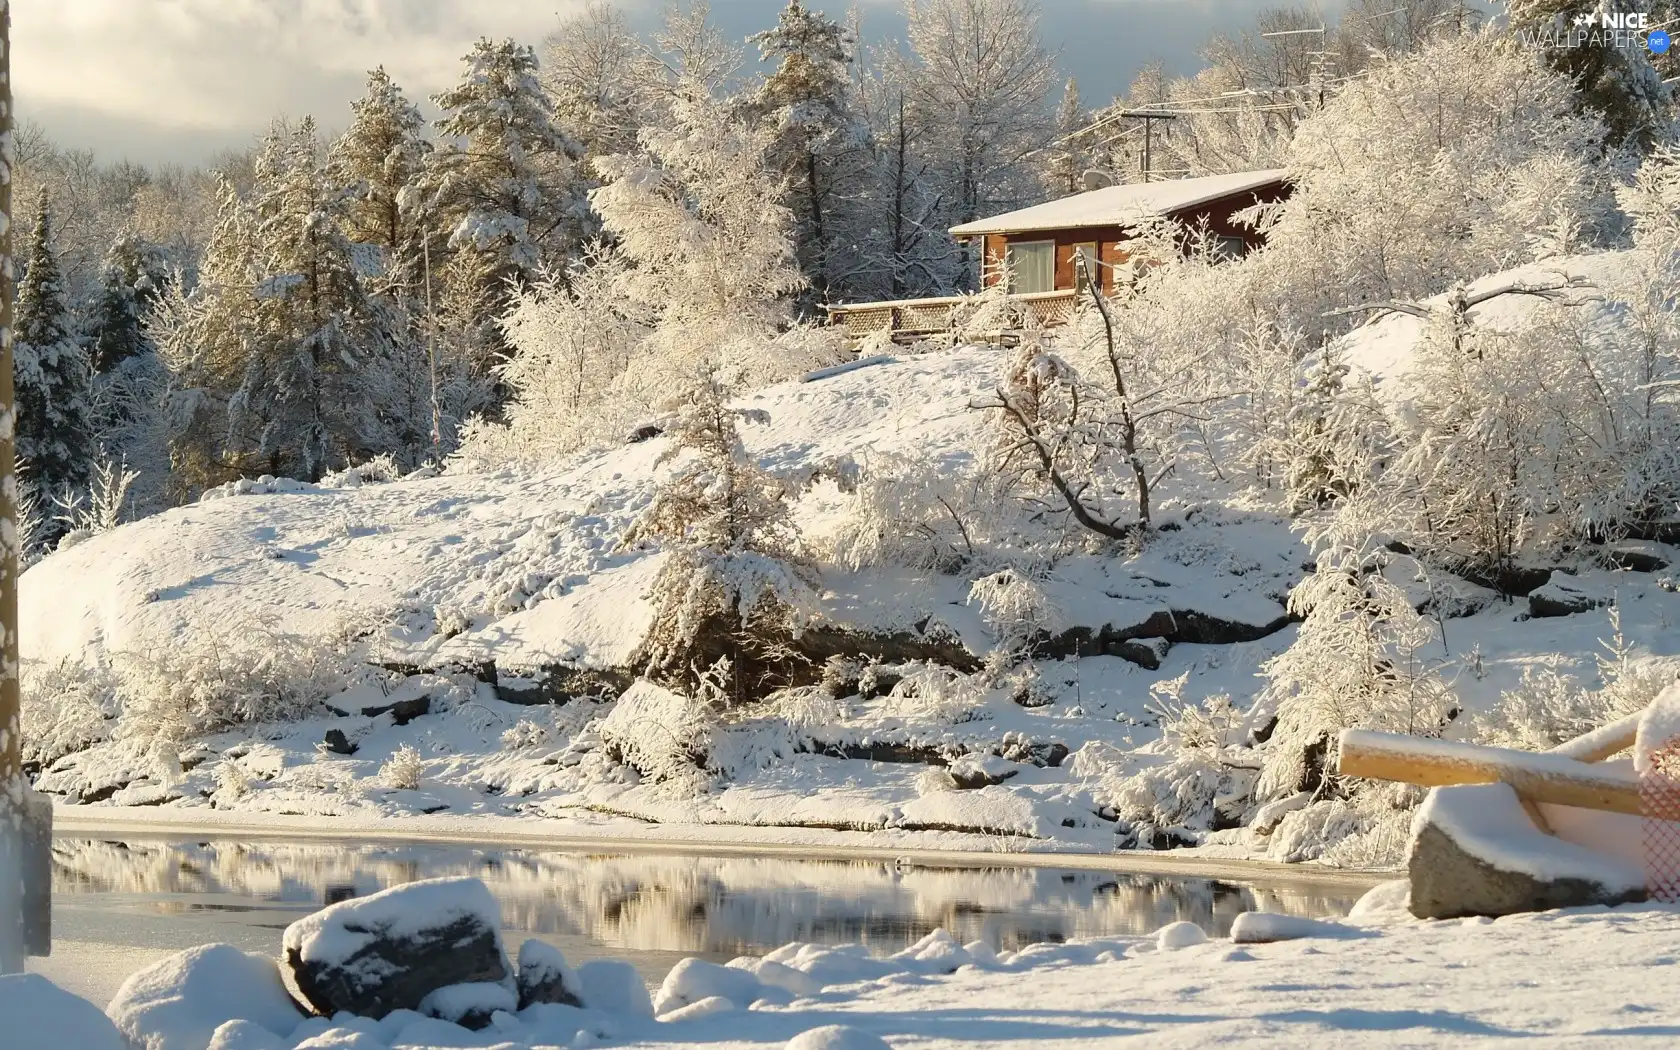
1091, 271
1032, 267
1227, 247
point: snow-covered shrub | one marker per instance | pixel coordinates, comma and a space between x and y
1344, 834
935, 780
1356, 663
1548, 707
525, 734
1016, 607
939, 694
933, 515
733, 587
231, 781
209, 681
661, 734
403, 769
380, 469
67, 706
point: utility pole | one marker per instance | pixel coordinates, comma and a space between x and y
1148, 117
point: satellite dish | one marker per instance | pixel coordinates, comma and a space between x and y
1097, 180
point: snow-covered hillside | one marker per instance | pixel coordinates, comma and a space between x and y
487, 621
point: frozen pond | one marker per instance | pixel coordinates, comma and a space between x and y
132, 900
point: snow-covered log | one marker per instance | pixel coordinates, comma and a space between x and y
1552, 778
1602, 742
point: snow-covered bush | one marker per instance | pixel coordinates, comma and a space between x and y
732, 591
1016, 607
403, 769
66, 707
209, 681
1357, 663
1343, 833
661, 734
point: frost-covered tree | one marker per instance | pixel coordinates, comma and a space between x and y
733, 590
55, 436
1619, 84
589, 68
697, 214
1070, 156
819, 144
503, 185
979, 75
905, 250
379, 157
133, 278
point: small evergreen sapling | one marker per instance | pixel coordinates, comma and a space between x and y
733, 591
54, 403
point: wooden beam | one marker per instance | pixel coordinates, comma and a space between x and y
1602, 742
1539, 777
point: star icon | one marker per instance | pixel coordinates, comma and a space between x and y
1586, 19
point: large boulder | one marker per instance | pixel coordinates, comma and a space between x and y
544, 976
390, 951
1475, 851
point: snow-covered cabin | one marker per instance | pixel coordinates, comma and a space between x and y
1036, 247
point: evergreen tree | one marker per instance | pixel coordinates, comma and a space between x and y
379, 157
1620, 84
50, 368
503, 186
296, 410
820, 144
131, 282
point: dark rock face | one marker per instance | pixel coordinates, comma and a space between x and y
1562, 596
389, 951
1145, 643
1448, 882
1636, 558
338, 743
544, 976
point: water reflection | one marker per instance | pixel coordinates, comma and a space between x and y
712, 906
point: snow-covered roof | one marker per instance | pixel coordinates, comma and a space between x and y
1119, 205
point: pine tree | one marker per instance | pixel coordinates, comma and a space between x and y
1619, 84
131, 282
820, 144
296, 410
733, 590
54, 410
379, 157
503, 185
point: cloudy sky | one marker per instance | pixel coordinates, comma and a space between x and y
176, 80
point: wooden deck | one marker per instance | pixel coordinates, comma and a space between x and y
912, 319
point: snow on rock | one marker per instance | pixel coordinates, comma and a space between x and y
1659, 728
707, 1007
392, 949
1475, 851
1260, 927
836, 1037
1389, 900
341, 1039
938, 952
613, 987
544, 976
694, 980
1565, 594
1177, 935
36, 1014
179, 1002
470, 1005
246, 1035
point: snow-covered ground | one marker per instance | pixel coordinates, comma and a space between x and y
1576, 977
483, 596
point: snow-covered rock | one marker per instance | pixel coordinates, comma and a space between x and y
1475, 851
1177, 935
1565, 595
391, 950
613, 987
544, 976
694, 980
36, 1014
470, 1005
1260, 927
837, 1037
178, 1003
245, 1035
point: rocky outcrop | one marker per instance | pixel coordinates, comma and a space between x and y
544, 976
1563, 595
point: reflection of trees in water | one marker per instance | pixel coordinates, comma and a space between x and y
696, 904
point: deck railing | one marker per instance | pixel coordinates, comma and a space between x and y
909, 319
